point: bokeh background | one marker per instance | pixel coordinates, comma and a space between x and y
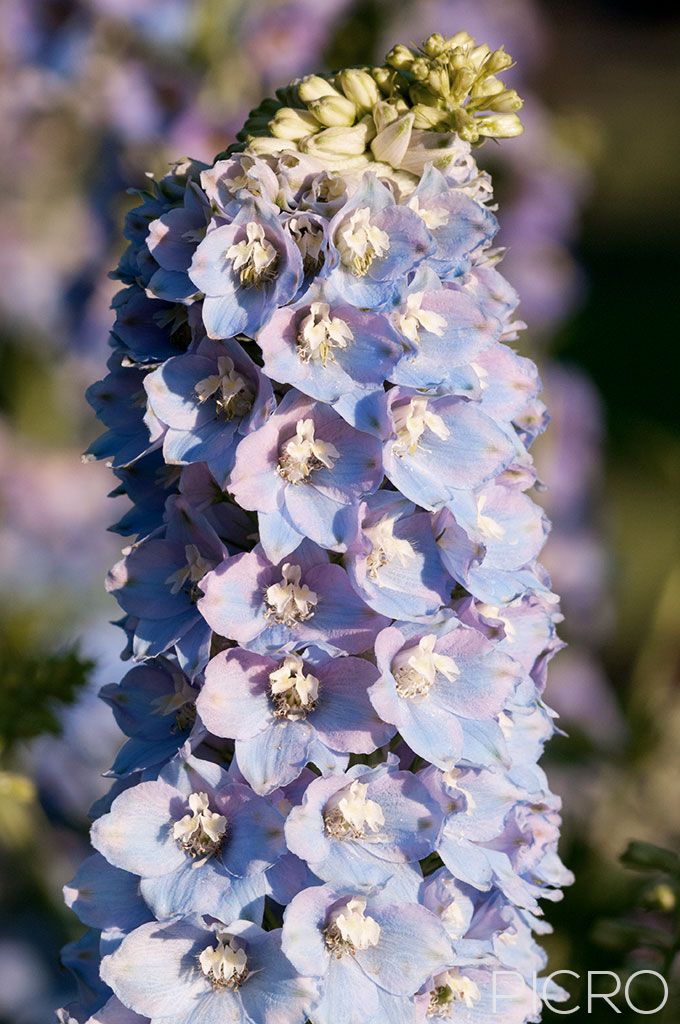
94, 94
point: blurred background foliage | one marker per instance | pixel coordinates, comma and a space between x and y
95, 93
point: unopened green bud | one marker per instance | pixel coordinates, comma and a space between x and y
429, 117
487, 87
265, 145
338, 142
384, 113
500, 126
420, 69
334, 111
506, 102
391, 144
434, 44
498, 61
384, 79
359, 87
293, 125
400, 57
460, 39
313, 87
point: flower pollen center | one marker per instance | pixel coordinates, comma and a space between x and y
410, 423
290, 601
304, 453
254, 258
386, 547
224, 965
350, 814
350, 929
293, 693
414, 319
202, 832
360, 242
451, 988
190, 575
415, 671
320, 334
233, 397
308, 235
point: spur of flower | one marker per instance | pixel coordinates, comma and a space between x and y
286, 711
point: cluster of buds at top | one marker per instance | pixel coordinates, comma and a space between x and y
420, 101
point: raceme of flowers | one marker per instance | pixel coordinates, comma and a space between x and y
329, 806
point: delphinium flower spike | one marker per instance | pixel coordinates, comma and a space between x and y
329, 806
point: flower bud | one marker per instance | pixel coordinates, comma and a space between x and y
498, 61
313, 87
391, 144
500, 126
429, 117
334, 111
434, 45
400, 57
359, 87
293, 124
506, 102
350, 141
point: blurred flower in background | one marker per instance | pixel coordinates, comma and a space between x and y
98, 92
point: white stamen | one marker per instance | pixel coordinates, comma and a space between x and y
487, 526
414, 319
234, 397
308, 235
320, 333
350, 929
385, 547
255, 257
360, 242
304, 453
290, 601
225, 964
294, 692
350, 814
432, 216
193, 572
201, 832
415, 671
450, 988
410, 423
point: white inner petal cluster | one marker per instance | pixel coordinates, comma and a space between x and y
294, 693
386, 547
350, 813
359, 242
291, 600
453, 918
410, 423
350, 928
192, 573
254, 258
233, 397
415, 671
202, 832
320, 334
226, 964
432, 217
414, 319
487, 526
451, 988
307, 234
304, 453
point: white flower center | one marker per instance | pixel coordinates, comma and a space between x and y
225, 964
432, 216
320, 333
453, 918
290, 601
255, 257
304, 453
294, 693
350, 929
307, 234
233, 396
350, 813
410, 423
192, 573
487, 526
415, 671
180, 703
385, 547
360, 242
450, 988
414, 319
201, 832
